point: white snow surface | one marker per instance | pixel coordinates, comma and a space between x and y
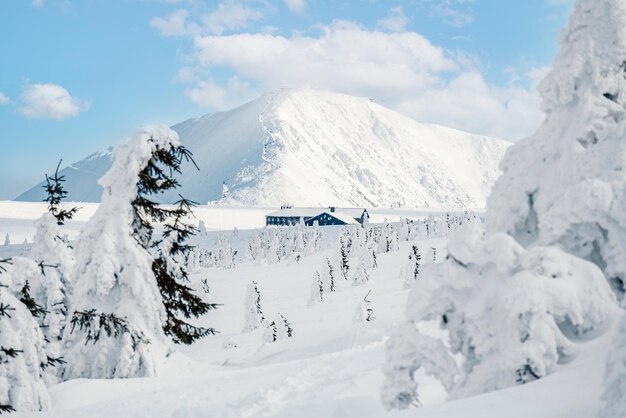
317, 148
331, 367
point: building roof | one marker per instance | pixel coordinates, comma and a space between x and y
342, 216
311, 212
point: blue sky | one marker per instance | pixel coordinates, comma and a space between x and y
76, 76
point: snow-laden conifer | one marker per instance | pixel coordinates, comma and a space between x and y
511, 314
412, 270
566, 184
22, 350
254, 313
359, 274
116, 327
317, 289
365, 310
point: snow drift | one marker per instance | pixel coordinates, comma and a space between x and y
314, 148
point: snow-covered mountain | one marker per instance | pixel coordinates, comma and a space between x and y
313, 148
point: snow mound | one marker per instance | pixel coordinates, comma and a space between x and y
316, 148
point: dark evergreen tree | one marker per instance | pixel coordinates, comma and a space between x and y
55, 194
180, 301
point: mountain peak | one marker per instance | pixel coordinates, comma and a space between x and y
318, 148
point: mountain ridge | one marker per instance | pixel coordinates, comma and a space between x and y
317, 148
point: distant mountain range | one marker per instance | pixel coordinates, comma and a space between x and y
317, 148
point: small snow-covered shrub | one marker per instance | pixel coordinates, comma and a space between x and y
510, 313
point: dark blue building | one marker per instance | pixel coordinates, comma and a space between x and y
313, 216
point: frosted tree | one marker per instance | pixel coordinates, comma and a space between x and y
49, 284
317, 289
365, 310
254, 313
283, 327
7, 240
278, 329
116, 327
566, 184
368, 257
22, 351
328, 275
202, 231
412, 269
516, 337
225, 190
359, 274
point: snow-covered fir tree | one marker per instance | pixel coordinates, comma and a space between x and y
566, 185
22, 350
254, 313
515, 337
412, 269
202, 231
118, 317
225, 190
283, 327
278, 329
365, 310
359, 275
329, 275
317, 289
49, 284
7, 240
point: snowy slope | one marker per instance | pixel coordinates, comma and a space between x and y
332, 367
313, 148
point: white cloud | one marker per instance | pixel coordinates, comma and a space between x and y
3, 98
395, 21
174, 24
345, 57
50, 101
457, 13
296, 6
229, 15
210, 94
468, 103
